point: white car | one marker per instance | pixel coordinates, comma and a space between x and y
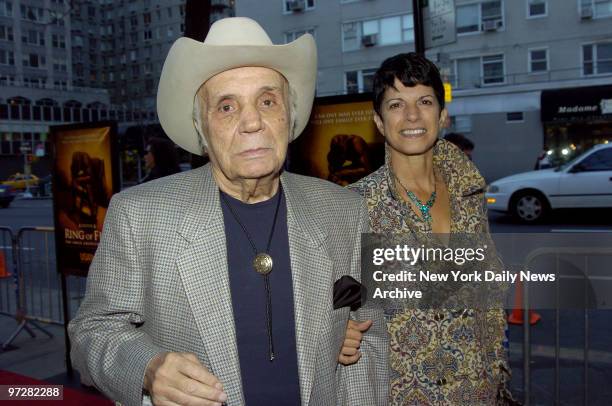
585, 181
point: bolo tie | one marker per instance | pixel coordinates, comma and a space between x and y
262, 264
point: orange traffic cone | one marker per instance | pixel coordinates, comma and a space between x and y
4, 273
516, 316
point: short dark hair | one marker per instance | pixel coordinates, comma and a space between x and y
460, 140
411, 69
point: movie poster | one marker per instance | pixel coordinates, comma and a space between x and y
341, 143
85, 175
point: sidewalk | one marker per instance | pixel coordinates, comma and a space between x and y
40, 357
43, 358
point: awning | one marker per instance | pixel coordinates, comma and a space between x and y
577, 104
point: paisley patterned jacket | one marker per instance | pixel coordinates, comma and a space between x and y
440, 357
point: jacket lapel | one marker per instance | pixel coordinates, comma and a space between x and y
311, 271
202, 266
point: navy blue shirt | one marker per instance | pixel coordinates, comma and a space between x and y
264, 382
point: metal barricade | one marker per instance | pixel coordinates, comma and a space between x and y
39, 280
8, 273
35, 283
557, 252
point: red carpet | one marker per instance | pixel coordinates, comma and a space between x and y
71, 396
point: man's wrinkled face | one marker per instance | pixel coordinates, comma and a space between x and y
246, 118
410, 118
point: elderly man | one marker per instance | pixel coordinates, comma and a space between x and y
216, 285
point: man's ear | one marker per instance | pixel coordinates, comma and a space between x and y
379, 123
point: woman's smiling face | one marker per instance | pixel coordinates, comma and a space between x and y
410, 118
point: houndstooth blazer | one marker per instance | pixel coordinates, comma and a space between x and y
159, 282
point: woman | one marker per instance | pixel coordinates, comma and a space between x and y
426, 186
161, 159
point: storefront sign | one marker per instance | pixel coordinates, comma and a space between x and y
577, 104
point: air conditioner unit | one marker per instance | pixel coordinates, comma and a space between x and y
491, 25
586, 13
369, 40
296, 6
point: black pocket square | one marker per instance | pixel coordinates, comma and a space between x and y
348, 292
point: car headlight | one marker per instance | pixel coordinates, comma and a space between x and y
492, 189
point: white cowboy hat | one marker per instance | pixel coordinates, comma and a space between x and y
231, 43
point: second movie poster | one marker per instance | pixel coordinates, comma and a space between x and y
341, 143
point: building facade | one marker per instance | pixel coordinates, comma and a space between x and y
82, 60
508, 56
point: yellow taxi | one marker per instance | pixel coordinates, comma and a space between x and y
18, 181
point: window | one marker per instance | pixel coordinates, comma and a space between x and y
59, 65
598, 8
537, 8
148, 35
6, 33
58, 41
33, 37
485, 16
597, 59
493, 69
384, 31
169, 12
34, 82
598, 161
170, 32
407, 28
34, 60
461, 124
32, 13
538, 60
133, 22
293, 35
57, 21
7, 80
297, 5
6, 8
77, 40
146, 18
468, 71
515, 117
7, 57
133, 55
359, 81
351, 34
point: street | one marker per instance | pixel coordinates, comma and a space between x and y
39, 213
571, 327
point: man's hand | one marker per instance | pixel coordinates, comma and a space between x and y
175, 378
349, 354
